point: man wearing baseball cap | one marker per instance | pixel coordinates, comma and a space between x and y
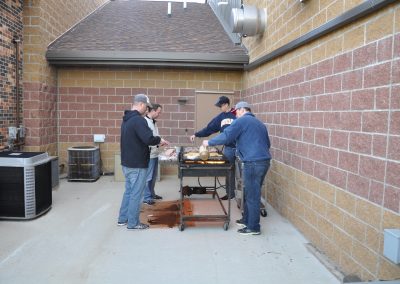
136, 137
219, 124
252, 145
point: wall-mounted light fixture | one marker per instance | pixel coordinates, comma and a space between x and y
182, 101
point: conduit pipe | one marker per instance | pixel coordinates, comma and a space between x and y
11, 147
17, 142
17, 100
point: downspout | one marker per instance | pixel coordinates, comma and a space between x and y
17, 41
20, 129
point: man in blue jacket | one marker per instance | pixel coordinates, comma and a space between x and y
136, 136
219, 124
252, 146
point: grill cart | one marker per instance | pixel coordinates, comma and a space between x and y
190, 165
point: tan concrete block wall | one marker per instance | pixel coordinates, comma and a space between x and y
347, 38
44, 21
288, 20
347, 228
332, 109
92, 101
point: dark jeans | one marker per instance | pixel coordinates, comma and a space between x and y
253, 178
230, 183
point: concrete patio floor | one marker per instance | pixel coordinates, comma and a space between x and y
78, 241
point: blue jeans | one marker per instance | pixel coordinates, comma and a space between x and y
135, 179
253, 177
230, 155
151, 179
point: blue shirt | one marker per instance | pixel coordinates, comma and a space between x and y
218, 124
251, 138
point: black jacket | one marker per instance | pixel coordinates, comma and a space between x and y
136, 137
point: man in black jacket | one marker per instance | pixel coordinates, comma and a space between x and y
136, 137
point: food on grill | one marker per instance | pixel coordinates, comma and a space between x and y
191, 149
208, 162
203, 153
191, 155
168, 155
214, 162
215, 154
212, 150
197, 149
194, 156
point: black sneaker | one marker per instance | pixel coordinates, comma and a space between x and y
139, 226
157, 197
240, 223
247, 231
226, 197
122, 223
149, 202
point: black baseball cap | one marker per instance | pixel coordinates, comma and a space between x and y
222, 100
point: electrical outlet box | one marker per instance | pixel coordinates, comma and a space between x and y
391, 244
12, 132
99, 138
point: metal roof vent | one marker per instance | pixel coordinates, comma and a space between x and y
169, 9
248, 20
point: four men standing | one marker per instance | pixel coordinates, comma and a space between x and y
248, 134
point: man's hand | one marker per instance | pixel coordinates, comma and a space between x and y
164, 142
192, 138
205, 143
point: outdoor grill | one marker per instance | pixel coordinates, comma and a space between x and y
215, 166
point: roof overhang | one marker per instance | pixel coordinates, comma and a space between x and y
147, 59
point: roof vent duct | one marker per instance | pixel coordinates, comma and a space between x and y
248, 20
169, 9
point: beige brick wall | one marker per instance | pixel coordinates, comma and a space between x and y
92, 101
293, 95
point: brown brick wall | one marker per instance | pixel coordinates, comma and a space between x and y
10, 29
332, 108
92, 101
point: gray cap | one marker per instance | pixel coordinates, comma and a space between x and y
142, 98
242, 104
